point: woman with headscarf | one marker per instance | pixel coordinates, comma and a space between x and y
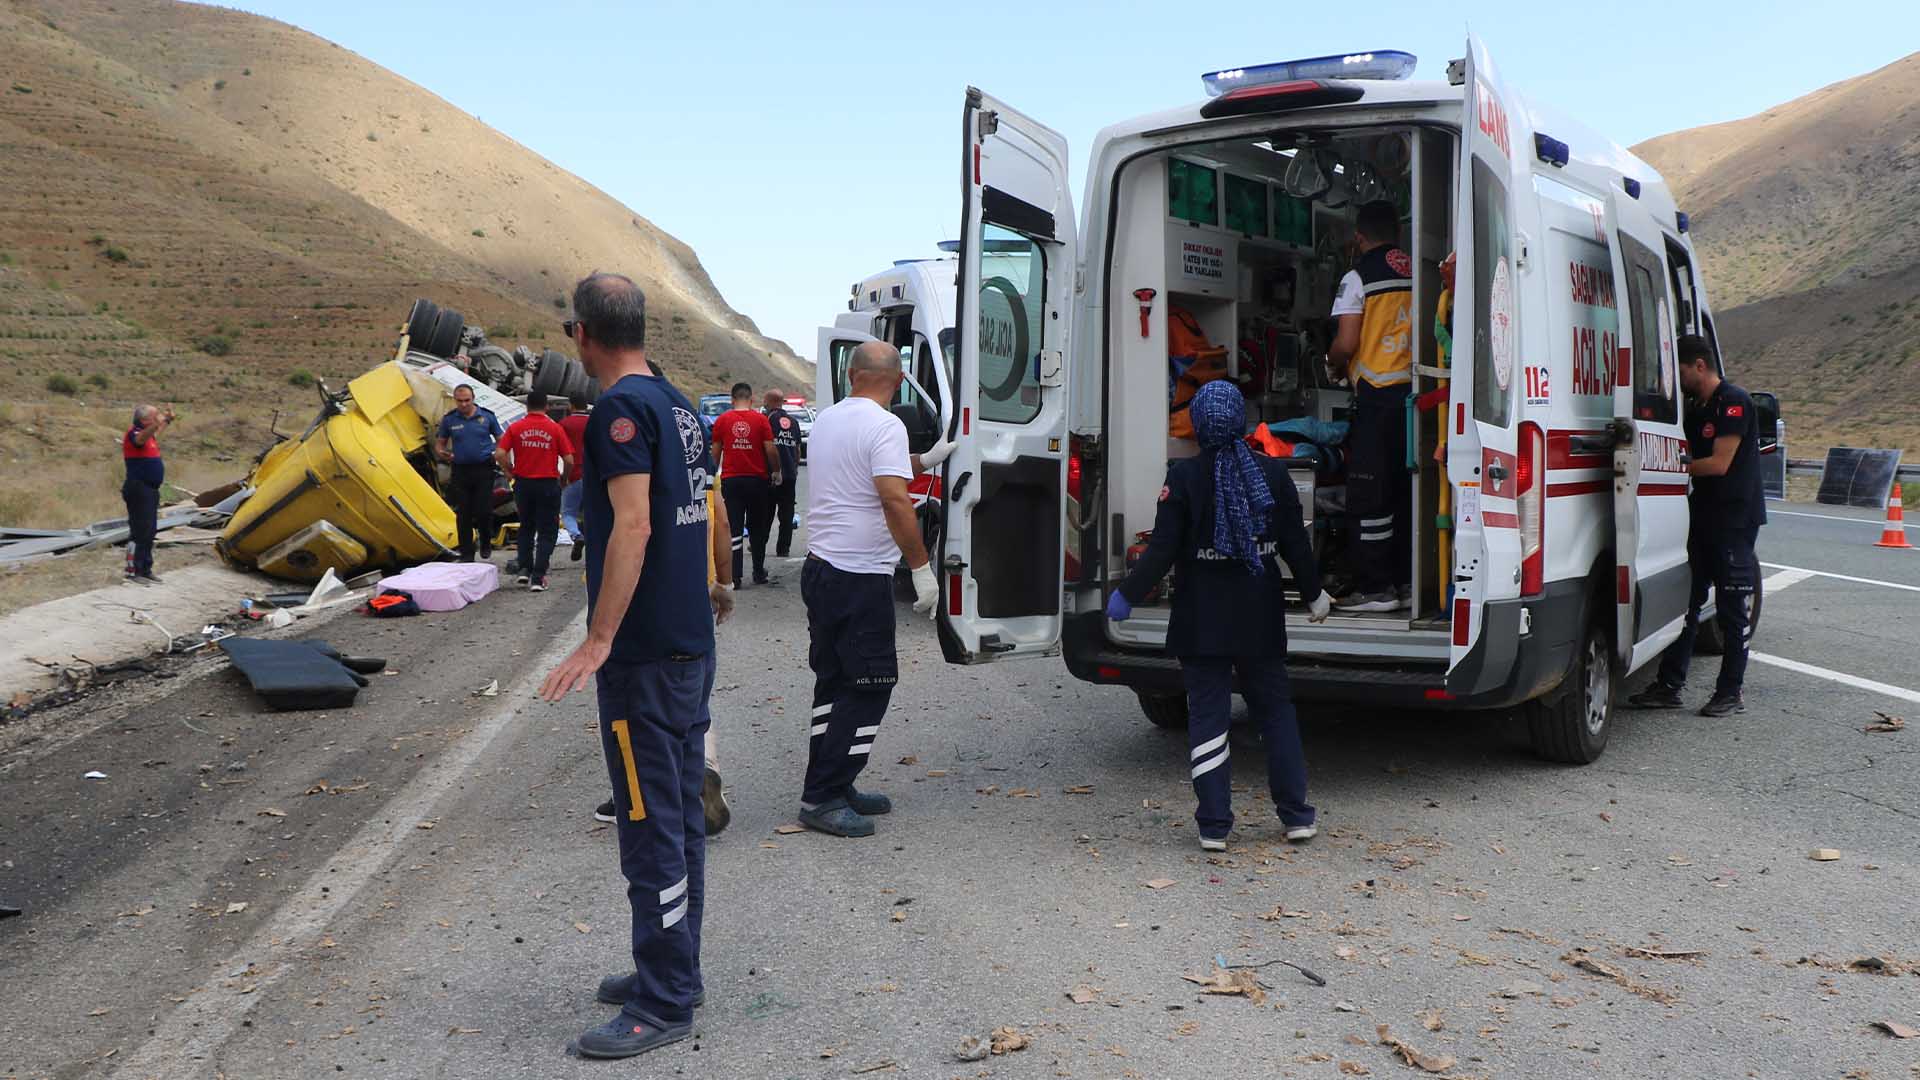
1224, 517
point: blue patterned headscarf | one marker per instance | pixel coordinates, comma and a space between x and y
1241, 501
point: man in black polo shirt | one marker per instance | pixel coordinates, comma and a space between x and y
786, 439
1723, 438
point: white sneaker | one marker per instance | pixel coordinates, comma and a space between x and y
1298, 833
1209, 844
1403, 597
1367, 602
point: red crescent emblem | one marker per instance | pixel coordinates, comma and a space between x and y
1401, 265
1165, 492
1706, 431
621, 430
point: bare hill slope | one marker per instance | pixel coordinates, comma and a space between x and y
1808, 220
205, 206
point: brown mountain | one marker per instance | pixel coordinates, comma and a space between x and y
1808, 220
206, 206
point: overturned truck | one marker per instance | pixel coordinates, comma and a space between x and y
359, 488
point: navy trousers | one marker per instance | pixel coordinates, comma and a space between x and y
1725, 560
1379, 490
653, 730
473, 506
749, 502
143, 522
851, 651
1263, 681
538, 502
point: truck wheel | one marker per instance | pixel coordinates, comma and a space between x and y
1571, 724
445, 340
550, 378
1165, 711
420, 320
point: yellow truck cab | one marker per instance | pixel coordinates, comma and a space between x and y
1548, 467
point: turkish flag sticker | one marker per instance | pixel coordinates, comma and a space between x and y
1734, 411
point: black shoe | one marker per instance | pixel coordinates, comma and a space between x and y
714, 801
1657, 695
539, 584
148, 578
615, 989
868, 803
836, 818
624, 1037
486, 553
604, 812
765, 579
1724, 704
577, 550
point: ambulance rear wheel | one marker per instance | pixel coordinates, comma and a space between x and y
1167, 711
1571, 724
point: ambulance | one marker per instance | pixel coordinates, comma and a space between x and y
1548, 464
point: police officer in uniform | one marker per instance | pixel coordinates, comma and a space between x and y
1224, 515
650, 651
1728, 508
465, 440
1373, 349
786, 439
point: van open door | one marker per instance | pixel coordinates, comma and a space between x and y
836, 345
1651, 576
1483, 443
1003, 532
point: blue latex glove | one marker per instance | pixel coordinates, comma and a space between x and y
1118, 609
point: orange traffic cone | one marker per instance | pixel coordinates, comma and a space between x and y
1895, 534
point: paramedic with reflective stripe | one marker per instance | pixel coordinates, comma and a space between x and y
650, 651
786, 439
1224, 517
1373, 349
1727, 509
860, 520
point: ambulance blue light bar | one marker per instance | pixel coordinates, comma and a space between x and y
1383, 64
1551, 150
1632, 186
1681, 219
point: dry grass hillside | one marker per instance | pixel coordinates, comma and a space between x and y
215, 209
1808, 220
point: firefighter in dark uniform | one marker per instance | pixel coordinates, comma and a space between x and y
1224, 516
786, 439
1728, 508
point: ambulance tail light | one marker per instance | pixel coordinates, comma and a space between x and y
1070, 564
1531, 503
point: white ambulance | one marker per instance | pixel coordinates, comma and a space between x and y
1549, 531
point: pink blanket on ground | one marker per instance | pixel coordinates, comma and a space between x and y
445, 586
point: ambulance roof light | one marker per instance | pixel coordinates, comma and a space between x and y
1380, 64
1632, 186
1681, 219
1551, 150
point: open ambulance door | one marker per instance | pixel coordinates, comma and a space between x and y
1651, 576
1483, 443
836, 345
1003, 533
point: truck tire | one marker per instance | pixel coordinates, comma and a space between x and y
1571, 723
1165, 711
445, 340
420, 320
550, 378
1711, 642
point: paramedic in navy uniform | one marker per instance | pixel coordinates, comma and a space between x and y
786, 439
1728, 508
859, 521
649, 649
1223, 517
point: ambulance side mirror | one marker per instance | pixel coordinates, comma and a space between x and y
1767, 416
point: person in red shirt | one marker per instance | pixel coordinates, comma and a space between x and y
140, 447
573, 495
749, 471
536, 451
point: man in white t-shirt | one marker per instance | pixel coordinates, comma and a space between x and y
860, 523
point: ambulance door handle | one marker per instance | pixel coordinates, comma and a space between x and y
1498, 473
1591, 444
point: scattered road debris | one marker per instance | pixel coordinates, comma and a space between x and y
1084, 994
492, 689
878, 1066
1586, 962
1825, 854
1159, 883
1897, 1029
1223, 981
1311, 976
1640, 953
973, 1048
94, 775
1007, 1040
1887, 724
1433, 1063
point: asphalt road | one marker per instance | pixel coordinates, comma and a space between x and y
1455, 878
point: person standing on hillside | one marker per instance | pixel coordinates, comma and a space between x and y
535, 451
1373, 349
860, 521
140, 449
465, 440
574, 423
749, 470
650, 651
1728, 507
786, 439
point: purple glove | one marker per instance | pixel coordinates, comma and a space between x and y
1118, 608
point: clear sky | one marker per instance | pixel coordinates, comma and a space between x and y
798, 146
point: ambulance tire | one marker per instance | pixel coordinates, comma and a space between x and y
420, 320
1711, 642
1165, 711
1571, 724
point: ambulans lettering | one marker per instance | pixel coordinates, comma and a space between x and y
1493, 117
1661, 453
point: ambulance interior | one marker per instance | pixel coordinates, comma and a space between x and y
1243, 243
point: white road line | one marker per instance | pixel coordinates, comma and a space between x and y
1842, 577
1775, 582
1841, 677
212, 1013
1829, 517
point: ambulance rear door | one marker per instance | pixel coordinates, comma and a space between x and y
1651, 576
1003, 532
1482, 459
836, 345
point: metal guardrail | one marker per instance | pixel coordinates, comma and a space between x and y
1813, 467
